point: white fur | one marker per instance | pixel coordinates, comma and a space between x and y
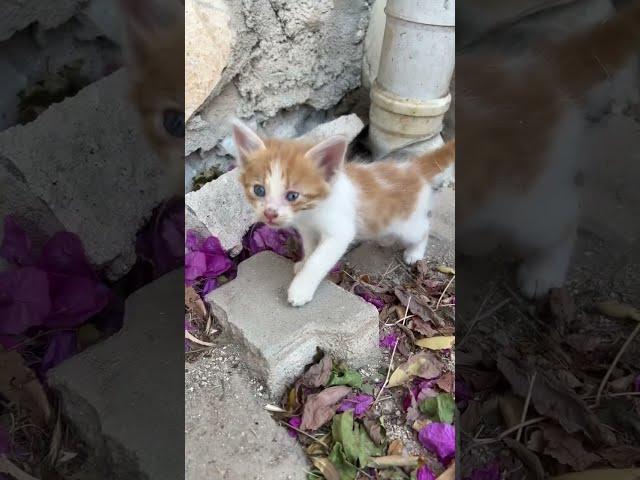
329, 228
539, 224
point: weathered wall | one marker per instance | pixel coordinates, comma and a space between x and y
285, 56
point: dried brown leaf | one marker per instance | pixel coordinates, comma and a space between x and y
318, 374
530, 459
194, 304
446, 382
567, 449
321, 407
424, 365
622, 456
511, 408
449, 473
562, 306
418, 307
328, 470
396, 447
20, 386
375, 430
552, 398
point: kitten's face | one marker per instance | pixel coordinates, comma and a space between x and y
283, 178
155, 30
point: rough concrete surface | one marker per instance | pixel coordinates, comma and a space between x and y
221, 207
90, 135
278, 340
19, 15
122, 396
228, 433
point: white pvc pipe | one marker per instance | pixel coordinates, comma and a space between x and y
411, 92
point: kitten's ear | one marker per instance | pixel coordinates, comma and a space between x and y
246, 140
329, 155
147, 20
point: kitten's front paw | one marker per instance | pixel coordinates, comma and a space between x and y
411, 258
536, 279
300, 293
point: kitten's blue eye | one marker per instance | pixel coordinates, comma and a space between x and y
258, 190
173, 122
292, 196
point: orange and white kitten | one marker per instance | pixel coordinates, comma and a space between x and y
331, 203
521, 122
155, 50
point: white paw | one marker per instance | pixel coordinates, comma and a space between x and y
411, 257
297, 266
535, 280
300, 293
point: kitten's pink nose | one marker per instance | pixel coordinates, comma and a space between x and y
270, 214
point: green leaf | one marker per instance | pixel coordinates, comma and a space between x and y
356, 443
344, 376
440, 408
367, 388
339, 460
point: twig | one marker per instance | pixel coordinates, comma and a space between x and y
526, 405
395, 346
188, 336
285, 424
506, 433
445, 291
615, 362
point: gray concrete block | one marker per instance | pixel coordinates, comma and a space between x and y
118, 394
221, 207
228, 433
349, 126
278, 340
92, 169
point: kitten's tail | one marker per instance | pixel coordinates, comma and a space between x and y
433, 163
590, 57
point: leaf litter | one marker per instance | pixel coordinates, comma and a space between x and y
565, 368
355, 425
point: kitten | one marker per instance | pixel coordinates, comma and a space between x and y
521, 121
332, 204
155, 49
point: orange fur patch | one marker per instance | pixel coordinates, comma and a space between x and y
300, 174
389, 191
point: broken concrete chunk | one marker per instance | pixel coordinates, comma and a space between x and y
221, 207
125, 395
278, 340
116, 180
348, 126
207, 49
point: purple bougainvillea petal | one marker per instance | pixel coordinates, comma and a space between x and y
212, 245
636, 384
192, 240
62, 345
217, 264
388, 341
284, 242
16, 244
439, 438
195, 264
294, 422
488, 472
63, 253
24, 299
209, 286
369, 297
359, 403
423, 473
75, 299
